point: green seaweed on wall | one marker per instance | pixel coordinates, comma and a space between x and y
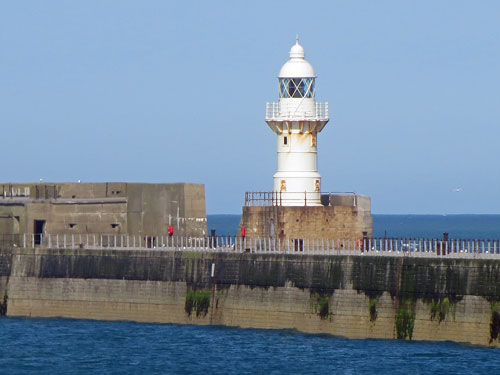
320, 304
495, 306
440, 309
495, 322
373, 309
3, 305
435, 307
405, 320
197, 300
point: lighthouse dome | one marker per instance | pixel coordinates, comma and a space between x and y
297, 66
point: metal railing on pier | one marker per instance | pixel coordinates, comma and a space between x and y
10, 240
287, 198
263, 198
451, 248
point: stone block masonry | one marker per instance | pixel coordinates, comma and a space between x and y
341, 221
351, 296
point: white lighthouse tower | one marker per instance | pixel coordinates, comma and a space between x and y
297, 119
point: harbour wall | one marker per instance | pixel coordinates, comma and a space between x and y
353, 296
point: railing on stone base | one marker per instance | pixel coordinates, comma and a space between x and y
453, 248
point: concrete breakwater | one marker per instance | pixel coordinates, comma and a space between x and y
352, 296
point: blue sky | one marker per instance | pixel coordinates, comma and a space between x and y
159, 91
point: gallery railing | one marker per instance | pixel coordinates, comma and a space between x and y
452, 248
276, 111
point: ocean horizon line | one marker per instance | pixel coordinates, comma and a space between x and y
394, 214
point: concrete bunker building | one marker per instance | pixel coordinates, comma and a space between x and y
102, 208
296, 208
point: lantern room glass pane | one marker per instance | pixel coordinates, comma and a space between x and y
308, 87
284, 88
296, 87
292, 88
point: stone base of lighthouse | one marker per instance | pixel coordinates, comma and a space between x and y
341, 217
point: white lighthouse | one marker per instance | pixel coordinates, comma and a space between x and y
297, 119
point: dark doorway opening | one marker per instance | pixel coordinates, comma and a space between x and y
38, 229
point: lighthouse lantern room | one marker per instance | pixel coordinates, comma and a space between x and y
297, 119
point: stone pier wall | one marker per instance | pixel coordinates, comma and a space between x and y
351, 296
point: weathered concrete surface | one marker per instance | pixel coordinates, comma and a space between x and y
352, 296
103, 208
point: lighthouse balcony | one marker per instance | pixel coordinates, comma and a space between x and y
292, 112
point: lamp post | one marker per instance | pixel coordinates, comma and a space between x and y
170, 216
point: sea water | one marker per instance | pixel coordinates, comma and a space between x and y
66, 346
401, 226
